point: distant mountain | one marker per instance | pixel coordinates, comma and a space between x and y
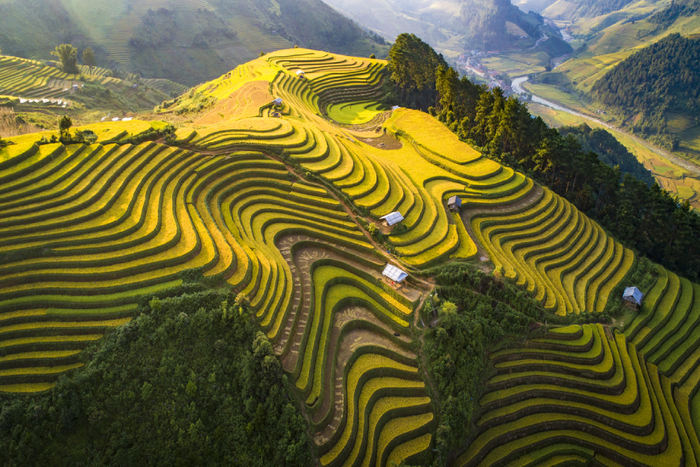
574, 9
533, 5
655, 86
450, 26
188, 41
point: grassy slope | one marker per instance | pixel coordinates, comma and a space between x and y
107, 26
435, 166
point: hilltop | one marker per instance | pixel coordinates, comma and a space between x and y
451, 27
188, 41
213, 284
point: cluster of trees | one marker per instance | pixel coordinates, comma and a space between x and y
677, 9
413, 67
477, 312
609, 150
664, 77
68, 57
647, 219
190, 381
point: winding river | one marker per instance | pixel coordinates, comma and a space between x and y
689, 166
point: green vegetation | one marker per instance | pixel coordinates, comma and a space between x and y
573, 9
189, 381
40, 90
452, 27
609, 150
248, 241
88, 58
671, 177
532, 405
488, 312
68, 56
654, 83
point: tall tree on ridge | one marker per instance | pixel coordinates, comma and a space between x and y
89, 58
68, 55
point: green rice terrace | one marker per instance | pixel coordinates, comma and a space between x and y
35, 86
276, 189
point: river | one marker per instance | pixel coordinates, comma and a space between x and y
689, 166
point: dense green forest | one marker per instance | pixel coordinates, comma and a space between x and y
677, 9
478, 313
609, 150
484, 22
647, 219
190, 381
660, 79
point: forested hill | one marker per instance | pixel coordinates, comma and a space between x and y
188, 41
609, 150
484, 21
660, 79
677, 9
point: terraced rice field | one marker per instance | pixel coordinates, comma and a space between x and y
549, 248
580, 396
30, 79
265, 197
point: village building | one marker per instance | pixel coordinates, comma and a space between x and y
455, 204
633, 297
392, 218
394, 274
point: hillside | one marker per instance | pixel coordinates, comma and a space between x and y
110, 251
575, 9
656, 87
609, 150
36, 94
451, 27
189, 41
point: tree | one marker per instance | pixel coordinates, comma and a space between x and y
89, 58
64, 125
68, 55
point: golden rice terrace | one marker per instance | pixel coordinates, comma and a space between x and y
264, 196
